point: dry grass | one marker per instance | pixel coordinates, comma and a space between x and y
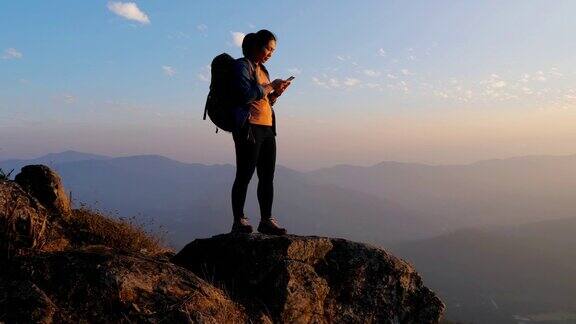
5, 176
87, 226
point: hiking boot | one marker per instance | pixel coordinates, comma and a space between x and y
241, 225
270, 226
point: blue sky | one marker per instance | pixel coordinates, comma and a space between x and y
121, 78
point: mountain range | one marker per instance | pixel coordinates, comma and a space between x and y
502, 274
494, 238
191, 200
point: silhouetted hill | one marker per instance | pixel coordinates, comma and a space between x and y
193, 200
498, 192
52, 158
493, 274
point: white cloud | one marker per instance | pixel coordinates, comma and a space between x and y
372, 85
326, 82
319, 82
371, 73
498, 84
204, 74
540, 78
334, 83
65, 98
128, 10
382, 52
406, 72
168, 70
295, 71
494, 82
11, 54
237, 38
351, 82
554, 71
391, 76
68, 98
343, 57
202, 28
442, 94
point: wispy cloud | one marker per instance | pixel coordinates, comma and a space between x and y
168, 70
554, 72
382, 52
237, 38
371, 73
400, 85
334, 82
494, 82
343, 57
68, 98
372, 85
406, 72
65, 98
204, 74
319, 82
11, 54
295, 71
351, 82
128, 10
202, 28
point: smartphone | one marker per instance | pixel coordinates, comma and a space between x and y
290, 78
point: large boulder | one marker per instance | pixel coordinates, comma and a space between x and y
97, 284
21, 301
46, 185
313, 279
23, 221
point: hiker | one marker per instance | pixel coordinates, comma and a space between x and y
255, 131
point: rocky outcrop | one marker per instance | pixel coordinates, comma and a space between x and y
97, 284
313, 279
23, 220
71, 266
51, 272
46, 185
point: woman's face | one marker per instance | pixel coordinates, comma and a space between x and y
266, 52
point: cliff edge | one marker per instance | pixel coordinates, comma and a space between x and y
65, 265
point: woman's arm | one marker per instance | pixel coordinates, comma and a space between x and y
272, 98
246, 85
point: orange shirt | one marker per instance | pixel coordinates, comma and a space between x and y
260, 110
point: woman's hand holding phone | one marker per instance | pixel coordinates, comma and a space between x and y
285, 85
280, 85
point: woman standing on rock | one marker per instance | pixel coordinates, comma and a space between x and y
254, 136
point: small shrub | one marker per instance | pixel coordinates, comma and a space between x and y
5, 176
87, 226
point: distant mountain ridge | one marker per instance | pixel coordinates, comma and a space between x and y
193, 200
492, 274
398, 200
498, 191
65, 156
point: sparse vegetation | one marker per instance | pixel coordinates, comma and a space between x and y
5, 176
87, 226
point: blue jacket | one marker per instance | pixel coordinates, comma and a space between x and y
247, 90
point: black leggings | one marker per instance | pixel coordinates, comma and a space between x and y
255, 149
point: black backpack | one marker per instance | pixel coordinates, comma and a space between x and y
221, 101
